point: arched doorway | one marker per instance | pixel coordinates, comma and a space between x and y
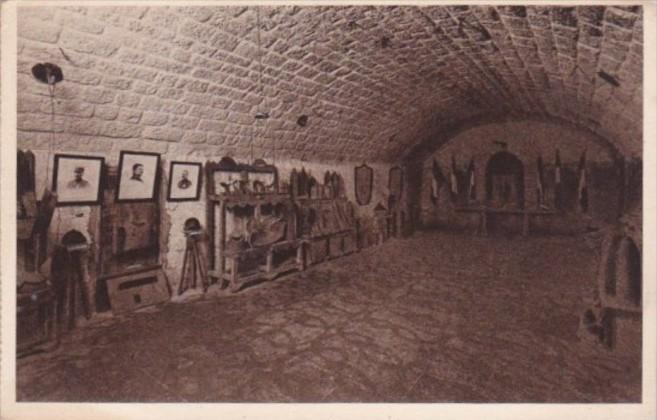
623, 272
627, 273
505, 182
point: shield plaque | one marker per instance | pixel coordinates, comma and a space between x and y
364, 177
396, 181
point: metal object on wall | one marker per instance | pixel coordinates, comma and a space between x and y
364, 180
396, 181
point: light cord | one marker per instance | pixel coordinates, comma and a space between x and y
51, 91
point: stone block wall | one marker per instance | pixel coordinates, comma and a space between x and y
374, 81
186, 80
85, 219
147, 79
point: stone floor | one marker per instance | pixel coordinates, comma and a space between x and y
433, 318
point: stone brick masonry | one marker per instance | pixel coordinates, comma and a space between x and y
374, 81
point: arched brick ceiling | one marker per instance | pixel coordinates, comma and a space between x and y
374, 81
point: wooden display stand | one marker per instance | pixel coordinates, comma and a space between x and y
249, 259
332, 233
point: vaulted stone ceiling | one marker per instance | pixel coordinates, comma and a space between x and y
373, 81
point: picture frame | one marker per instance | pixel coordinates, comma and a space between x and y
185, 180
77, 180
262, 177
223, 176
229, 177
138, 176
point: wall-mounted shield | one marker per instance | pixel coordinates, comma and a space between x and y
364, 179
395, 181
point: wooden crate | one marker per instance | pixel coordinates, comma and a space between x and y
138, 289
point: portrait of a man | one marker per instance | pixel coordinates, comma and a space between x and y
184, 181
77, 179
138, 176
137, 172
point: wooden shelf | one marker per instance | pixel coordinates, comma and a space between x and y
240, 266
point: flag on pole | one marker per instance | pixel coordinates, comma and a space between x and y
557, 180
540, 190
582, 190
472, 184
437, 180
454, 185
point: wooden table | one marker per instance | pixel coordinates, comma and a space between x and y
485, 212
264, 270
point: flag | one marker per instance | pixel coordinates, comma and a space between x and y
540, 191
582, 190
557, 180
454, 185
472, 185
557, 170
437, 180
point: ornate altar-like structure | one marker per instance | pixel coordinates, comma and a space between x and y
251, 224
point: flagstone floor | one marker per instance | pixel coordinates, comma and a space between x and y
433, 318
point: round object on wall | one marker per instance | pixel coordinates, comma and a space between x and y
47, 73
302, 121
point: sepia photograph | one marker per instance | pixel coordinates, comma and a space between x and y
185, 181
77, 179
423, 210
138, 176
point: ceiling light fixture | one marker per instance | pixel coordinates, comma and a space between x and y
50, 74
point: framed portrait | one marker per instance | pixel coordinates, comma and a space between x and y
77, 179
139, 174
184, 181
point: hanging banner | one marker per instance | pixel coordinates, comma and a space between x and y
395, 181
364, 179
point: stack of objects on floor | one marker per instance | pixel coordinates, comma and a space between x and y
326, 217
